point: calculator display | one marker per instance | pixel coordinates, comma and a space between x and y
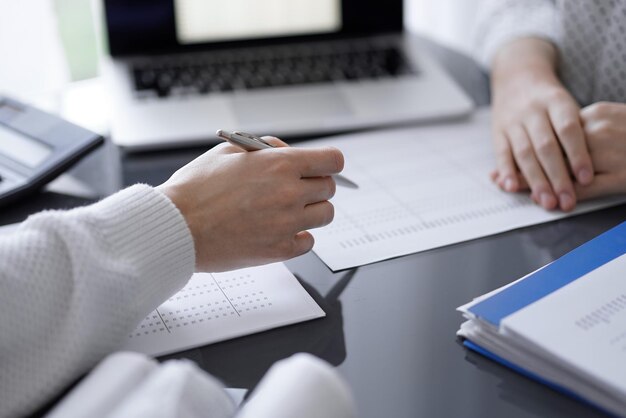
22, 149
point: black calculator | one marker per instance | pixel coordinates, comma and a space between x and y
36, 147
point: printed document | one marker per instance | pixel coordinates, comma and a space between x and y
419, 189
220, 306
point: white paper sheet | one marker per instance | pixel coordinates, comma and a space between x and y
221, 306
421, 188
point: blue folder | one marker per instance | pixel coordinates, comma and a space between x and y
570, 267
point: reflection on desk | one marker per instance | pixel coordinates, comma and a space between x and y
527, 394
242, 362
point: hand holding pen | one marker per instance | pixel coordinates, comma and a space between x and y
251, 208
250, 142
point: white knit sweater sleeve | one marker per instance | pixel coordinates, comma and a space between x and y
73, 284
501, 21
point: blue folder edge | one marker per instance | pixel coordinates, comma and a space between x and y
573, 265
488, 354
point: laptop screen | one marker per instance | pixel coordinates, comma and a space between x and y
199, 21
154, 26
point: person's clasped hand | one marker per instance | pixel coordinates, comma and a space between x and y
538, 137
605, 131
251, 208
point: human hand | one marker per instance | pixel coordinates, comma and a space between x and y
252, 208
537, 128
605, 130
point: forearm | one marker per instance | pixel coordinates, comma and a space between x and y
73, 284
524, 62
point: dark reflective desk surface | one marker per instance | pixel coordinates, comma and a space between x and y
390, 327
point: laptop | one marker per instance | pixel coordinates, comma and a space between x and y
178, 70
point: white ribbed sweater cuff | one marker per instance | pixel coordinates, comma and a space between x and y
143, 227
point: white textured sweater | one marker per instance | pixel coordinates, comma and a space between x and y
74, 284
590, 36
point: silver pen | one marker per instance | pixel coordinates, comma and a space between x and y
249, 142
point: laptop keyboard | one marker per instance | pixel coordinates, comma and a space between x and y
225, 71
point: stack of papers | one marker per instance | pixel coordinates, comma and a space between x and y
564, 325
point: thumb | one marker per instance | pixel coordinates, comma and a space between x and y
275, 141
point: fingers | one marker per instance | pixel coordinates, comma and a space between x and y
602, 111
550, 157
302, 244
603, 185
319, 162
523, 184
318, 189
225, 148
521, 181
567, 124
537, 147
506, 172
313, 162
528, 163
314, 216
275, 141
317, 215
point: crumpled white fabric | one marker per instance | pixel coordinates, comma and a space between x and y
131, 385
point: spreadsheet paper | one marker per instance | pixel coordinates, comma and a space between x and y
419, 189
